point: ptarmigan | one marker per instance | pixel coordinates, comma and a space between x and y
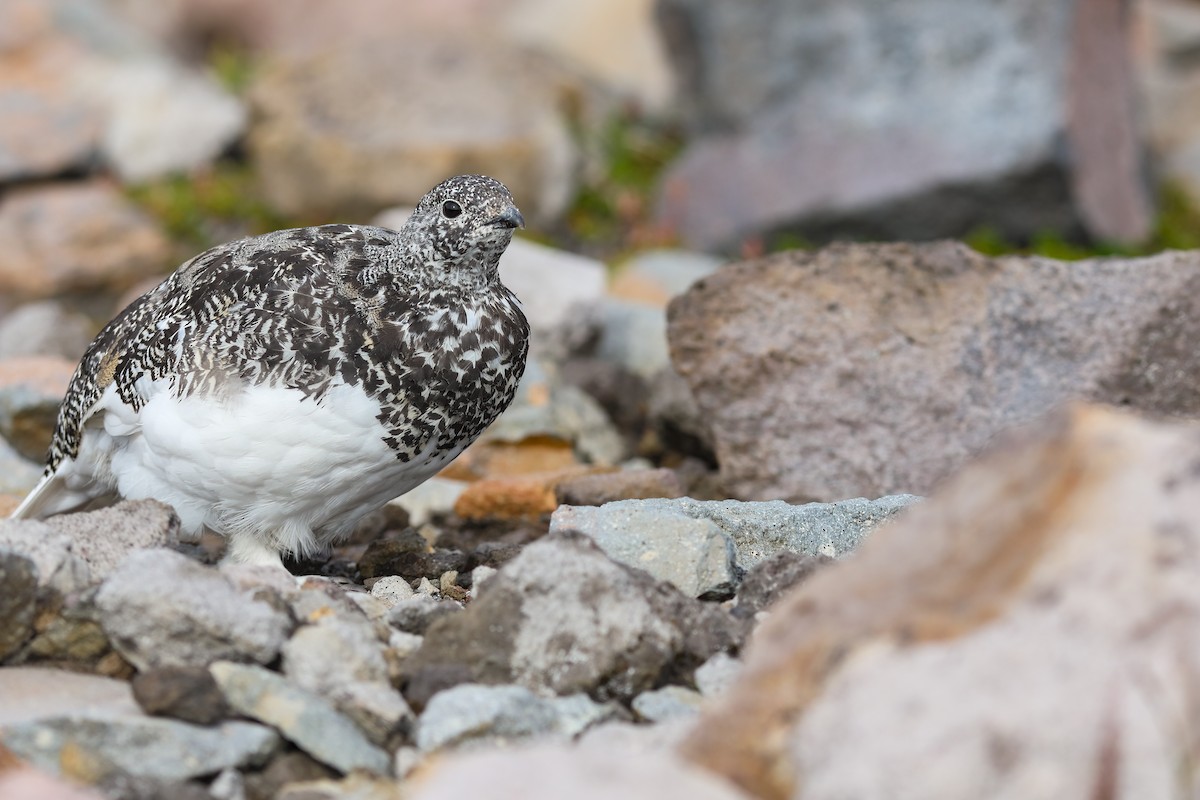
278, 388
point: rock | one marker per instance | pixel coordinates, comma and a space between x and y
669, 702
340, 658
478, 576
758, 530
694, 555
28, 694
417, 613
473, 715
162, 118
378, 143
91, 747
105, 537
391, 589
632, 484
47, 125
409, 556
614, 44
45, 328
25, 783
31, 390
18, 601
229, 785
52, 553
160, 608
517, 497
925, 352
186, 693
554, 771
305, 718
717, 674
633, 336
76, 237
69, 634
562, 617
545, 409
770, 579
333, 652
1009, 614
885, 133
655, 276
286, 768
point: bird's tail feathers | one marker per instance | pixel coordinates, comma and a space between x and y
50, 496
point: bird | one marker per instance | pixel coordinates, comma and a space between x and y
277, 389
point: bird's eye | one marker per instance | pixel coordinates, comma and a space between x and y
451, 209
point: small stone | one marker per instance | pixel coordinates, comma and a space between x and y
377, 709
770, 579
634, 484
351, 787
503, 714
392, 589
416, 614
403, 644
18, 601
516, 497
76, 237
407, 759
33, 693
183, 692
286, 768
717, 674
333, 652
669, 702
305, 718
229, 785
160, 608
409, 556
426, 588
478, 576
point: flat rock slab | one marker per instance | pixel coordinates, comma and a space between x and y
679, 539
31, 693
140, 746
474, 714
305, 718
865, 370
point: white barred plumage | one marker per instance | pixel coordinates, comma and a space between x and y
278, 388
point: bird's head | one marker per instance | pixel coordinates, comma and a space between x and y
462, 226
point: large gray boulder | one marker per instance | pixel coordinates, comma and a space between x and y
875, 369
904, 120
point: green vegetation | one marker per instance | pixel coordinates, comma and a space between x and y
1176, 228
613, 208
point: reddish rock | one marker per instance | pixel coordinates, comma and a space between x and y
868, 370
76, 237
1024, 630
517, 497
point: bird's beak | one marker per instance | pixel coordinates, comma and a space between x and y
508, 218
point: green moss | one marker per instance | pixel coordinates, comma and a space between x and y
232, 66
